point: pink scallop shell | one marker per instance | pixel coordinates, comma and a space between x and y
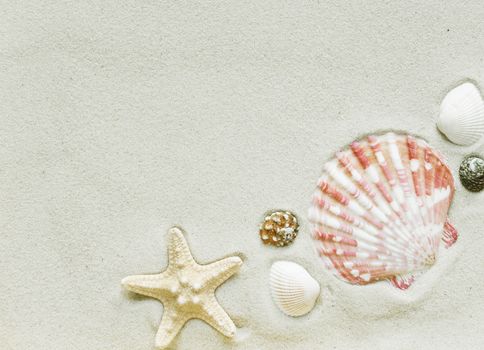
380, 210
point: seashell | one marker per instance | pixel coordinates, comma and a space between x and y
471, 173
293, 289
279, 228
380, 210
462, 115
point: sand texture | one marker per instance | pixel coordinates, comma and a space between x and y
121, 119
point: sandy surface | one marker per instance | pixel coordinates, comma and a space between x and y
119, 119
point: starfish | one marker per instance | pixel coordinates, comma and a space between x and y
186, 289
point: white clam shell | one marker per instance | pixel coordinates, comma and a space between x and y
293, 289
461, 116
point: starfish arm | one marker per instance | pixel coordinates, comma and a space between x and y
171, 324
220, 271
178, 250
216, 317
155, 286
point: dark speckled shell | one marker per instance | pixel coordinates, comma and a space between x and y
471, 173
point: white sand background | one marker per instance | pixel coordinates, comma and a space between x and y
119, 119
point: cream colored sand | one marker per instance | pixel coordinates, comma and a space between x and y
120, 119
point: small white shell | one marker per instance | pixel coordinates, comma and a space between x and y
462, 115
293, 289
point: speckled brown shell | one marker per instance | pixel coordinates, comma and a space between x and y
279, 228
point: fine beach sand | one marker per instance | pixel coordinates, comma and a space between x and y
120, 119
